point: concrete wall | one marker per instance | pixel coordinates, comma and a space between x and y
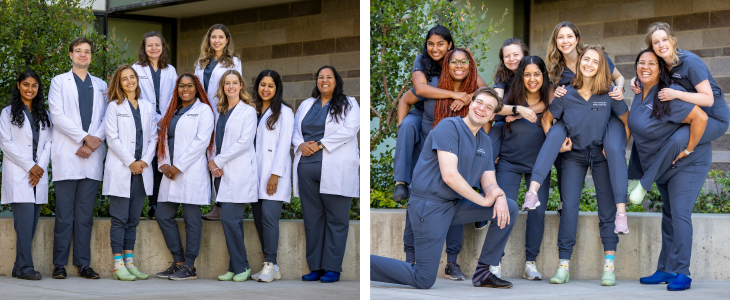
702, 26
637, 255
294, 39
152, 256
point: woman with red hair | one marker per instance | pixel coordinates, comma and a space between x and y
186, 139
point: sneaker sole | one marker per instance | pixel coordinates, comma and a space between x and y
457, 278
524, 276
495, 287
58, 277
186, 278
524, 208
163, 276
621, 232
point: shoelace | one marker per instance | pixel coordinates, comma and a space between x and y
267, 267
531, 268
621, 221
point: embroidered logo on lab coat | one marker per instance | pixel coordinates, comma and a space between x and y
122, 115
192, 115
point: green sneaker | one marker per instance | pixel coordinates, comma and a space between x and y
123, 275
226, 277
561, 276
138, 274
608, 279
241, 277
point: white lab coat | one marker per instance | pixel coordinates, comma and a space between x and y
68, 134
215, 79
341, 157
192, 137
17, 146
121, 135
238, 157
272, 153
168, 76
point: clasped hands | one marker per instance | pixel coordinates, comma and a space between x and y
169, 171
91, 143
217, 172
137, 167
36, 173
308, 148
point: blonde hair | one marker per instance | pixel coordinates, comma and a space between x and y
221, 94
207, 53
656, 26
116, 91
555, 59
601, 83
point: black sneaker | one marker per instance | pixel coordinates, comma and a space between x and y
31, 275
151, 213
480, 225
494, 282
184, 273
88, 273
59, 272
453, 272
171, 270
400, 192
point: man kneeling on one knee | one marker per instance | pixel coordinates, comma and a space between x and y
456, 158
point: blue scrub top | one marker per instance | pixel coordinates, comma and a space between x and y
475, 158
568, 74
520, 146
171, 129
690, 71
138, 130
208, 71
313, 127
651, 134
504, 86
586, 121
85, 90
220, 129
156, 83
432, 81
35, 131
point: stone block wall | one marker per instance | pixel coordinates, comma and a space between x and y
294, 39
702, 26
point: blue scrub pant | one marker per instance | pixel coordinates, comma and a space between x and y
430, 220
680, 188
575, 166
75, 201
496, 134
125, 214
232, 222
157, 177
676, 144
266, 215
25, 220
192, 216
614, 143
509, 182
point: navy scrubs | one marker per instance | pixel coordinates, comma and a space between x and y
690, 71
171, 130
679, 186
208, 71
585, 122
412, 132
157, 175
434, 206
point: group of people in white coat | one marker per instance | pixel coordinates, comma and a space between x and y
183, 141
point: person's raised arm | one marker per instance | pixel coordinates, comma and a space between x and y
420, 84
448, 165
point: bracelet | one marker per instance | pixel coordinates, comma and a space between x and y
216, 169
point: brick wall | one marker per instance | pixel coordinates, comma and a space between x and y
702, 26
294, 39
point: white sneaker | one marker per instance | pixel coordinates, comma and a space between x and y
269, 273
496, 270
531, 272
256, 276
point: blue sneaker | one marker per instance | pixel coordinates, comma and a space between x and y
657, 278
330, 277
314, 275
680, 283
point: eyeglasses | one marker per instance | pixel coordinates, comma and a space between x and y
183, 86
79, 51
485, 105
456, 62
323, 78
643, 64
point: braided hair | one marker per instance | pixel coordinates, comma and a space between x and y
442, 108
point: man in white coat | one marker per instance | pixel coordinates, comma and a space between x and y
77, 105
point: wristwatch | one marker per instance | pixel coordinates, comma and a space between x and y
514, 110
688, 152
319, 144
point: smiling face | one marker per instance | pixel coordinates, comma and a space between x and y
589, 63
153, 47
533, 78
458, 65
511, 55
232, 86
566, 40
326, 81
648, 69
218, 40
481, 110
662, 44
437, 46
267, 88
129, 81
186, 89
81, 56
28, 89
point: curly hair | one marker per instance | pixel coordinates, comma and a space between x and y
431, 67
221, 94
442, 108
116, 91
501, 72
143, 59
38, 109
275, 102
339, 103
207, 53
176, 103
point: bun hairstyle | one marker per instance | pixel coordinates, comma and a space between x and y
176, 103
442, 108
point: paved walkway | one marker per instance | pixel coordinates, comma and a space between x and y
154, 288
543, 290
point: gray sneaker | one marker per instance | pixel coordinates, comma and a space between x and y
453, 272
531, 272
269, 273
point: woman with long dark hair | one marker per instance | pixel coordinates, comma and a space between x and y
186, 140
23, 123
326, 163
273, 139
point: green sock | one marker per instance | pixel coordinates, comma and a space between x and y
129, 260
118, 262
